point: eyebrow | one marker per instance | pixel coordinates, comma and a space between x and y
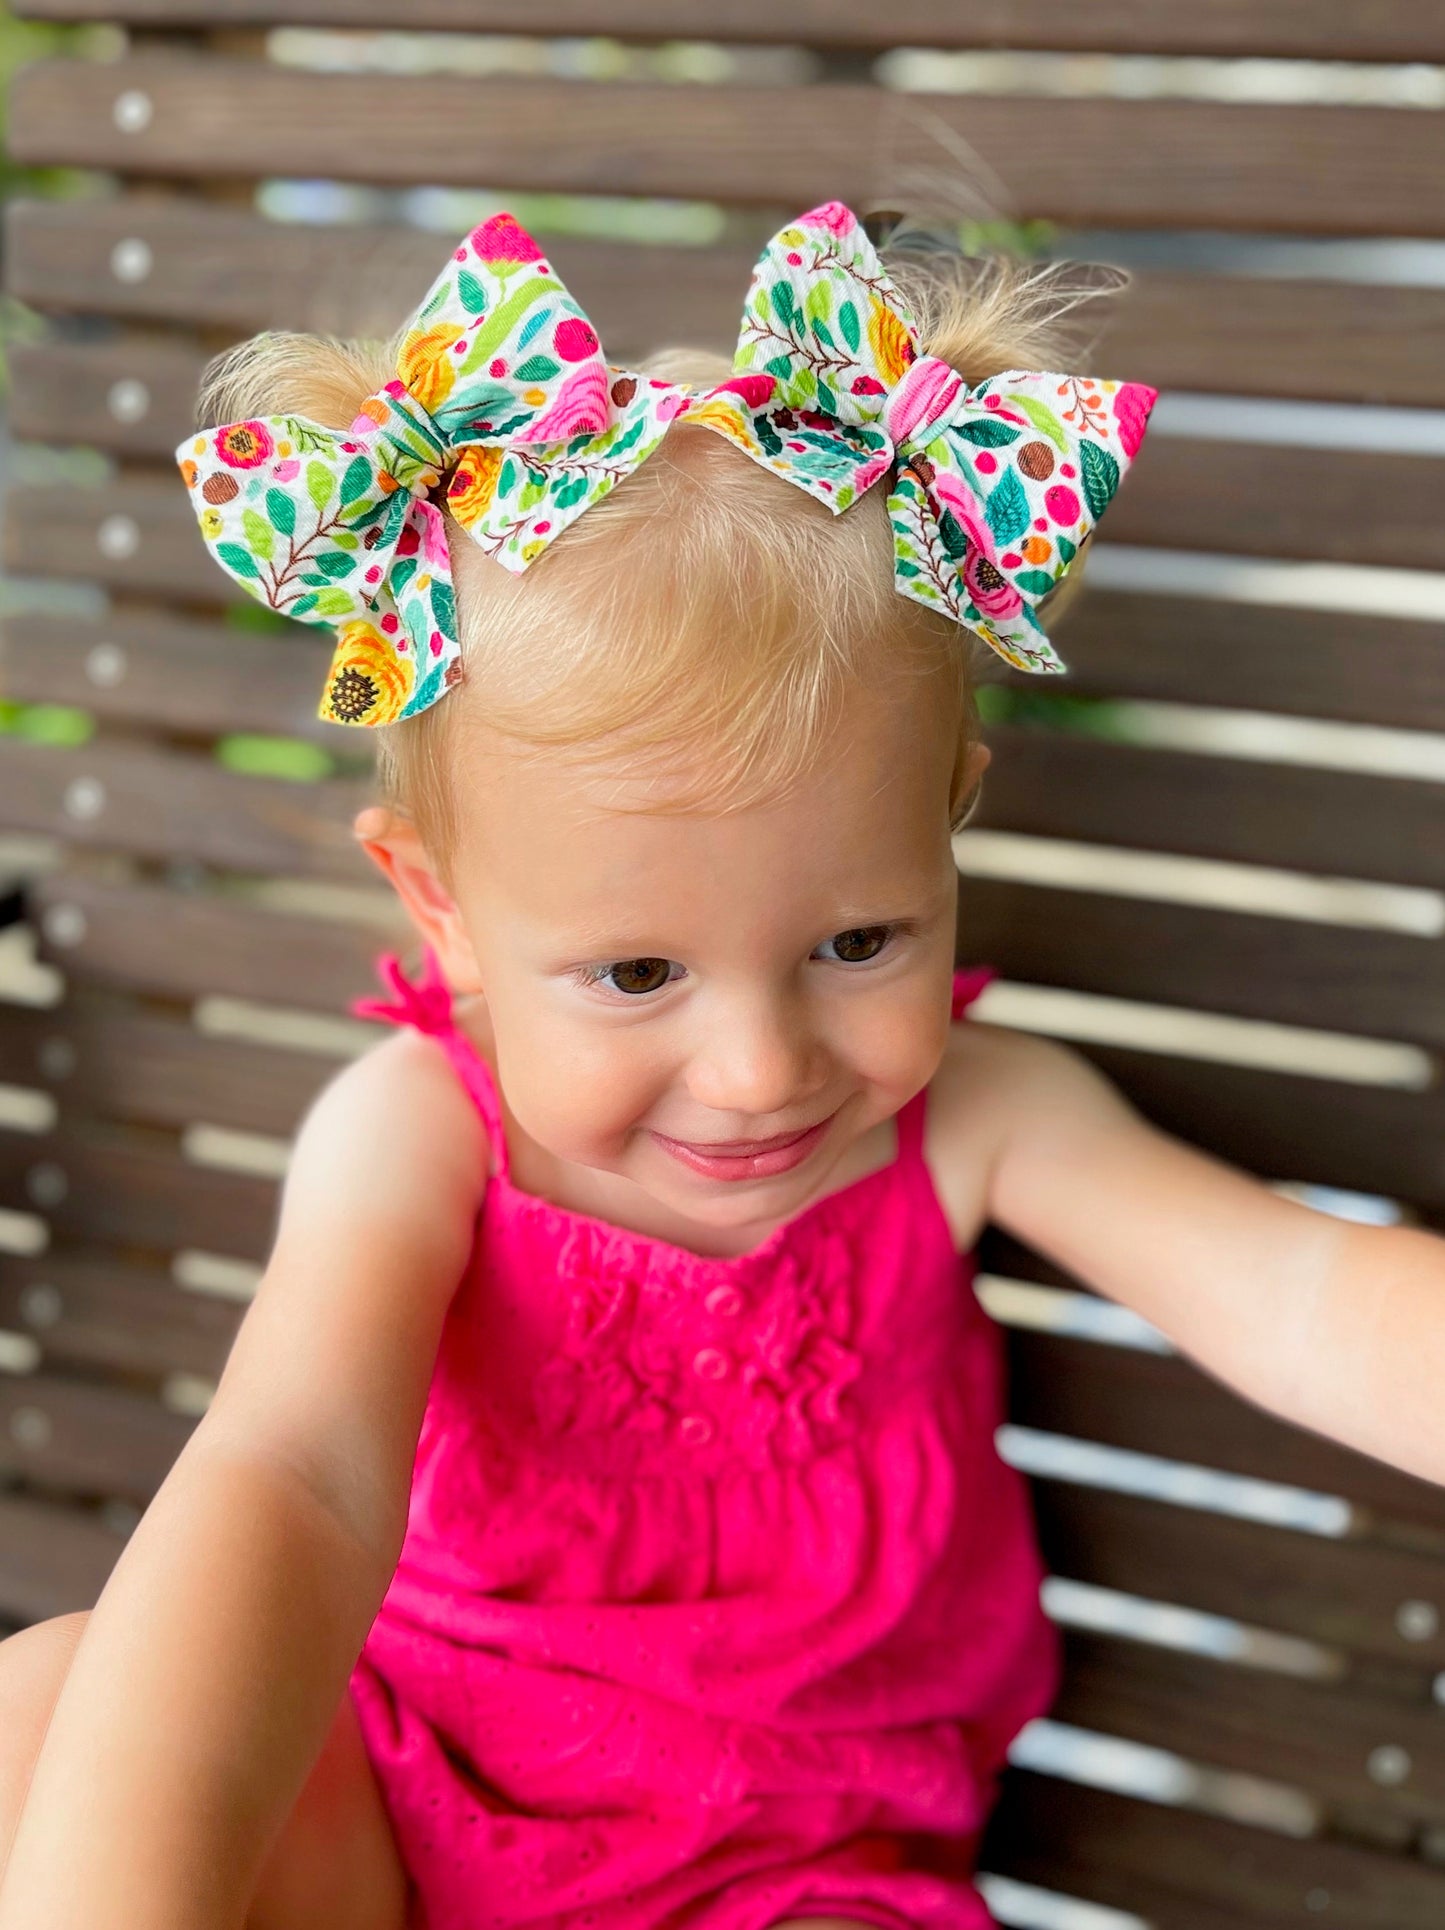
597, 941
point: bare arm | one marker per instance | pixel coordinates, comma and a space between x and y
213, 1664
1338, 1327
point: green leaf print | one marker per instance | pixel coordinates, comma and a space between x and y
1007, 509
761, 303
985, 432
533, 492
1067, 550
334, 603
805, 384
827, 401
473, 295
784, 306
1100, 477
282, 511
235, 558
818, 305
537, 368
564, 494
848, 322
1043, 419
401, 573
319, 484
1033, 582
332, 563
357, 480
954, 535
260, 537
444, 607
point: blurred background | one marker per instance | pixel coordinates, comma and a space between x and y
1213, 859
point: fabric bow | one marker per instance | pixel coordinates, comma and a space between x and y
503, 399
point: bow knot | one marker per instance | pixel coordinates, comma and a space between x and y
502, 395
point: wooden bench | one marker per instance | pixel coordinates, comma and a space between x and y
197, 906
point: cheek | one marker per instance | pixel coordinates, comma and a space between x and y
579, 1087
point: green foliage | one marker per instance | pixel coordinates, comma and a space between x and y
46, 723
289, 757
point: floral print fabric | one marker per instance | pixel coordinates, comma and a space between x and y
504, 407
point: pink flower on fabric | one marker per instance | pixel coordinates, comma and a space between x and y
582, 405
982, 574
288, 470
755, 390
832, 215
1132, 403
926, 393
575, 339
244, 445
503, 239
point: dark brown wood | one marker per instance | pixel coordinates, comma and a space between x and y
182, 944
1344, 1592
1253, 656
1336, 30
1309, 169
74, 1435
126, 1064
166, 674
94, 1311
1344, 824
1336, 977
1161, 1404
1190, 1872
53, 1560
228, 269
131, 396
1317, 1737
103, 1187
162, 803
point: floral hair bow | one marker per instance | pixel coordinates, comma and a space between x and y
502, 398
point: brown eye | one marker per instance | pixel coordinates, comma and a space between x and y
862, 943
636, 975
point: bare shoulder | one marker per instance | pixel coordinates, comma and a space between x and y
995, 1086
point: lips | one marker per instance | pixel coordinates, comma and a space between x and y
739, 1148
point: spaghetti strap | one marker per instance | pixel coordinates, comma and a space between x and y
968, 982
425, 1004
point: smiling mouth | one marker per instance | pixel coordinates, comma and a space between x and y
740, 1148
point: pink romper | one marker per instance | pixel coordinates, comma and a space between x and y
716, 1605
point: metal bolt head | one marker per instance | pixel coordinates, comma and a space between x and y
131, 260
133, 111
64, 924
40, 1304
1418, 1621
46, 1183
118, 538
1317, 1901
30, 1427
1389, 1765
129, 399
84, 798
105, 665
56, 1057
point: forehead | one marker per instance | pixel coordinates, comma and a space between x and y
569, 849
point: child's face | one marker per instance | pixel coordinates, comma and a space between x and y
748, 984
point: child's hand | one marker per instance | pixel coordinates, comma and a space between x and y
1337, 1326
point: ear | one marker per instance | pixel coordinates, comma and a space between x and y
976, 763
394, 847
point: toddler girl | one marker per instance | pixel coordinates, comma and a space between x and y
599, 1522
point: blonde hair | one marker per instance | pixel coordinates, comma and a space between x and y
705, 612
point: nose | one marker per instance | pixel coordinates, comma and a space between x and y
759, 1063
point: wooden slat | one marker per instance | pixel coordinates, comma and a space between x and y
172, 675
1308, 169
1212, 496
228, 269
157, 1071
53, 1560
1316, 1737
131, 396
1345, 1593
1187, 1872
1344, 824
1161, 1404
1329, 30
162, 803
77, 1436
94, 1311
184, 944
1249, 656
1336, 977
121, 1190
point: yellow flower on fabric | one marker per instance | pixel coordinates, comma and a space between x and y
368, 682
473, 484
425, 363
889, 341
726, 418
212, 522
